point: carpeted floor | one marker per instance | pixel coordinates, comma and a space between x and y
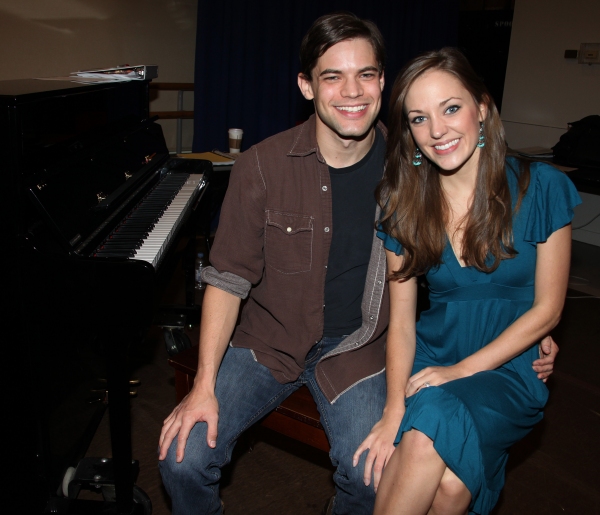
555, 470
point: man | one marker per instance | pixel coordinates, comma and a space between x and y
296, 237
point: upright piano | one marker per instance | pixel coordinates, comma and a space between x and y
94, 206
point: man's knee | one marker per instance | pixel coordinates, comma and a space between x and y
196, 460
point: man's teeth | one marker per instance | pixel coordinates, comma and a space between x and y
353, 109
447, 145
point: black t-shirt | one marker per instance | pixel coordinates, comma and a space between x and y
353, 198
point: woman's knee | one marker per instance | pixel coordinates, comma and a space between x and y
451, 491
418, 443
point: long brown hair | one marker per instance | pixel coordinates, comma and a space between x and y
414, 209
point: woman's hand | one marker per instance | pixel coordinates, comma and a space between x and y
432, 376
380, 444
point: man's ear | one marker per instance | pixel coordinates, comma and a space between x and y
381, 80
305, 86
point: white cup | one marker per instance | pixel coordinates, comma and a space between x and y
235, 140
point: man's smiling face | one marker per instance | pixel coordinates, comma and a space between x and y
346, 89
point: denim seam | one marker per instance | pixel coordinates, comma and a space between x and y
322, 414
357, 382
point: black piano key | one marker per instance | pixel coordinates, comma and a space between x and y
136, 226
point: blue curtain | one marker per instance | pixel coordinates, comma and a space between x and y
247, 58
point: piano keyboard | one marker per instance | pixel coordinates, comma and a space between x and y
145, 233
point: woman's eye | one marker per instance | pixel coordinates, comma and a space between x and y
417, 119
452, 109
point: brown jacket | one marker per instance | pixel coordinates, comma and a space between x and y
272, 245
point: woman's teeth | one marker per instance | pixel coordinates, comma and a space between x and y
447, 145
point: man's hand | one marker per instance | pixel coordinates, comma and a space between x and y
197, 406
545, 365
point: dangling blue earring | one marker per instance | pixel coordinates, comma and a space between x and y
417, 159
481, 142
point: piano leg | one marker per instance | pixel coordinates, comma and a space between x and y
120, 420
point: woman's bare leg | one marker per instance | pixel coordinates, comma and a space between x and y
452, 496
411, 478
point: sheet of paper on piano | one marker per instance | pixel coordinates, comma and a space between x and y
117, 74
215, 159
82, 80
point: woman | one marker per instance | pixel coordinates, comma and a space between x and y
493, 237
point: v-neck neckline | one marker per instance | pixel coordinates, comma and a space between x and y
462, 274
450, 248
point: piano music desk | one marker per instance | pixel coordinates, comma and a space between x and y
297, 417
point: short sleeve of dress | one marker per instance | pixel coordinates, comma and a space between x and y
553, 197
389, 242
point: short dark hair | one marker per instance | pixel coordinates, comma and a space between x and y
333, 28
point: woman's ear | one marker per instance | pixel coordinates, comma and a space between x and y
483, 108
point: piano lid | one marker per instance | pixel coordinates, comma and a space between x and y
77, 150
50, 120
77, 194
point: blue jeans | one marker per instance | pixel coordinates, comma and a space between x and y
246, 392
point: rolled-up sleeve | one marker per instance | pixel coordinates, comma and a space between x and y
237, 256
226, 281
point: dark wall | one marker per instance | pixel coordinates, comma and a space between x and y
247, 58
484, 37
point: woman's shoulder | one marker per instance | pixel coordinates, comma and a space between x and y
549, 200
542, 176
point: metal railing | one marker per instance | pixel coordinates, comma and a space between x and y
178, 115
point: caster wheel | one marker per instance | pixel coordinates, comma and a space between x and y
68, 477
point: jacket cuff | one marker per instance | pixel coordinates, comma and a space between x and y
227, 282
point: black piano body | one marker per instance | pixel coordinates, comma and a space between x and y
79, 162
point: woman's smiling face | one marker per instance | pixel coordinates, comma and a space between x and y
444, 120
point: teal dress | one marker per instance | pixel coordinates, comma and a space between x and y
475, 420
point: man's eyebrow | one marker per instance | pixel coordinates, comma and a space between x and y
328, 71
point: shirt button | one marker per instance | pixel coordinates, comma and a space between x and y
326, 229
378, 282
324, 188
289, 229
371, 317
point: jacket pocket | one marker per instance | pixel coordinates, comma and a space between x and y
288, 242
